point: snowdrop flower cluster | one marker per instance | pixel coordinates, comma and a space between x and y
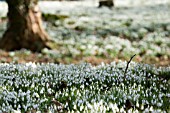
82, 87
142, 35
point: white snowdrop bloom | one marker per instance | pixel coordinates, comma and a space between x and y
160, 96
80, 102
42, 100
22, 98
66, 94
142, 107
79, 94
15, 101
109, 46
25, 107
28, 92
42, 91
137, 104
85, 109
150, 93
103, 108
16, 111
82, 86
28, 97
89, 46
168, 95
83, 47
136, 111
36, 95
35, 106
81, 107
122, 110
33, 65
102, 64
19, 106
146, 110
158, 111
95, 105
23, 94
130, 110
47, 85
43, 84
32, 85
114, 107
20, 91
89, 106
75, 106
159, 104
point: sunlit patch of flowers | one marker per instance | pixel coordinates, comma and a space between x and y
83, 87
113, 33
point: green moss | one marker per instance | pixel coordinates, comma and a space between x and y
71, 22
53, 17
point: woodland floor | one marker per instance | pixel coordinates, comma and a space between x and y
70, 22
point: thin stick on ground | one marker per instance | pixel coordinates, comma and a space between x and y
128, 65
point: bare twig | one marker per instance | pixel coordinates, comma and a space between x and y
128, 65
129, 105
57, 103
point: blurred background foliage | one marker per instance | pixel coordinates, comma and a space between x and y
84, 32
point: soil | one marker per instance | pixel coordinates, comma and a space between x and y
24, 56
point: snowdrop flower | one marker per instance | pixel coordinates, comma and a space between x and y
80, 102
81, 107
146, 110
75, 106
159, 104
168, 95
130, 110
89, 106
30, 64
109, 46
22, 98
25, 107
28, 98
36, 95
137, 104
32, 85
114, 107
40, 112
122, 110
42, 91
35, 106
28, 92
158, 111
16, 111
19, 106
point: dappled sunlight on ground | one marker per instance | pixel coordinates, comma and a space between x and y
80, 27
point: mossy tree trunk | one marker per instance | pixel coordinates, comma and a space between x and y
24, 28
106, 3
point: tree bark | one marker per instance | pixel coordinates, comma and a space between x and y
24, 29
106, 3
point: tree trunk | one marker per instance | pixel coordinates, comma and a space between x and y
24, 29
106, 3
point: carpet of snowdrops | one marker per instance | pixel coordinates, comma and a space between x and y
83, 87
90, 31
118, 32
81, 30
